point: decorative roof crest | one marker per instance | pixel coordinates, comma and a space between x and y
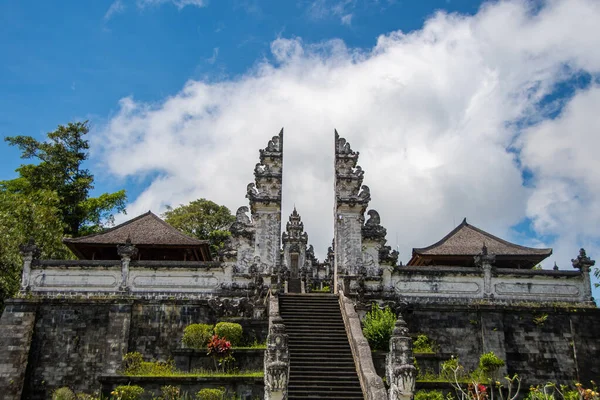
583, 262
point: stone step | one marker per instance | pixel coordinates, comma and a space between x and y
331, 394
321, 362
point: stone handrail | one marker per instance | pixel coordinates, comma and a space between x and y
277, 355
371, 383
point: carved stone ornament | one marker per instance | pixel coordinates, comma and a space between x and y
127, 250
583, 262
400, 371
242, 225
241, 307
276, 360
274, 146
372, 230
30, 250
387, 256
484, 258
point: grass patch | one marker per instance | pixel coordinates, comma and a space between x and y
201, 373
253, 346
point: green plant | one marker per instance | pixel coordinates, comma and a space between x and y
540, 319
134, 365
85, 396
127, 392
132, 362
489, 363
230, 331
378, 326
170, 393
197, 336
429, 395
63, 393
211, 394
422, 344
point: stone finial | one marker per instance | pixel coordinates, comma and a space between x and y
583, 262
266, 188
349, 176
484, 258
295, 230
555, 268
400, 371
127, 250
30, 250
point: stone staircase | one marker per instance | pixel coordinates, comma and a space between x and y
321, 363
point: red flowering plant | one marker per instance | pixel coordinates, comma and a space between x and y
477, 391
220, 350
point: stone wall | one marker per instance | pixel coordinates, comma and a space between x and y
70, 342
241, 388
425, 284
539, 344
16, 329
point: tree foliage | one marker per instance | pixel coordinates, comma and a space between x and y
202, 219
59, 169
48, 200
36, 216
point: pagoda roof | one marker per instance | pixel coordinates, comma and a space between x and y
146, 230
466, 241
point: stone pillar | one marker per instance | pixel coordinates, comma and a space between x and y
117, 337
16, 332
351, 201
584, 264
29, 252
486, 261
265, 203
126, 252
276, 356
399, 370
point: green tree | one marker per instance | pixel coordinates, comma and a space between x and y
203, 219
48, 200
22, 217
59, 169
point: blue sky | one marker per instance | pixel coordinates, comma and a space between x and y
458, 109
74, 60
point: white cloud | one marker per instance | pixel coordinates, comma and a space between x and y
320, 9
346, 19
214, 56
432, 113
178, 3
117, 7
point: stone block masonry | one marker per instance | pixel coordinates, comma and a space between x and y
539, 344
16, 329
50, 343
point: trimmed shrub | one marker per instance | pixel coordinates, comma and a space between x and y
378, 326
63, 393
127, 392
197, 336
429, 395
211, 394
230, 331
